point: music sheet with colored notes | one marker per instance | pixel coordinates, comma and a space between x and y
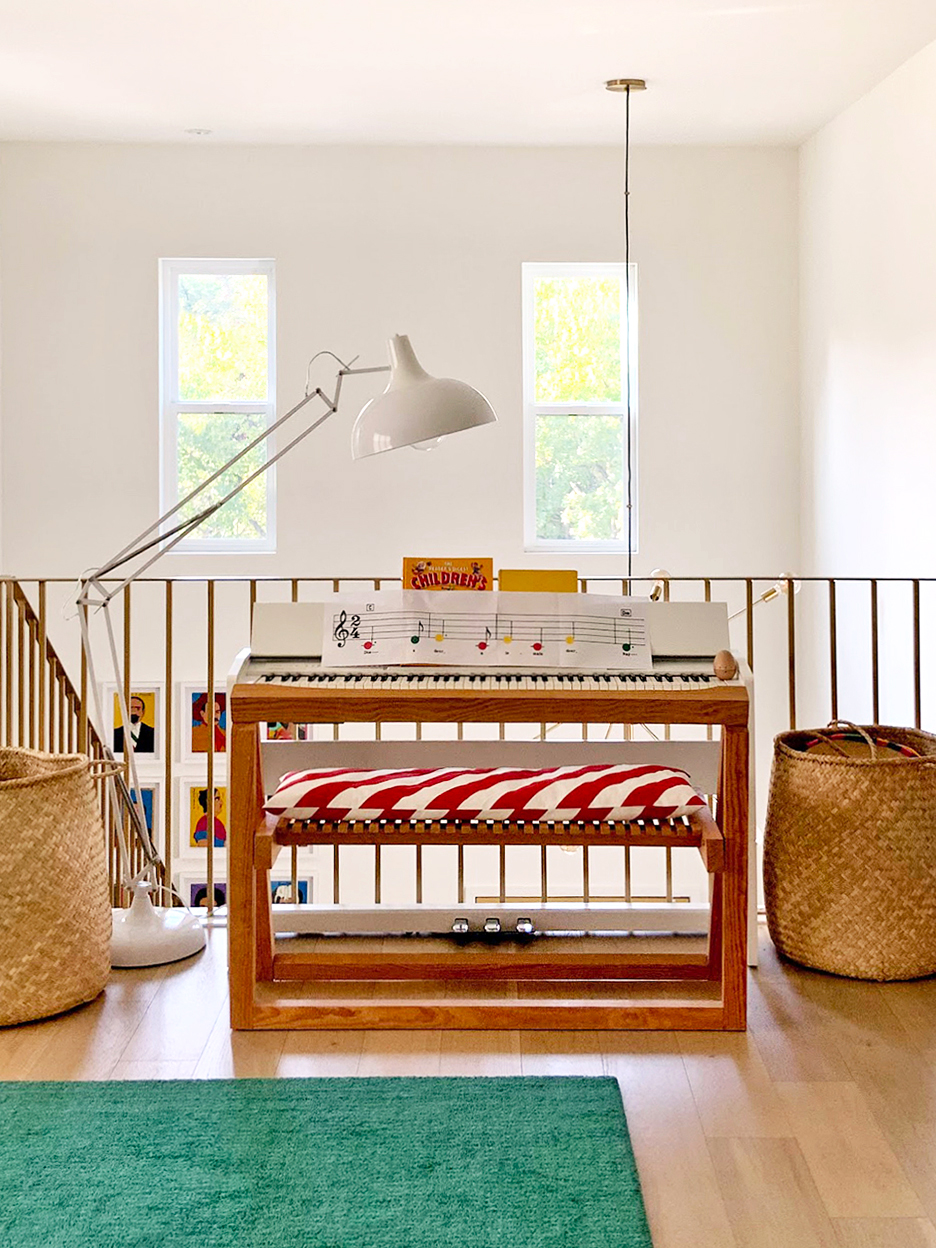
392, 627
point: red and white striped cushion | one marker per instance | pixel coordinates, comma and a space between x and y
602, 791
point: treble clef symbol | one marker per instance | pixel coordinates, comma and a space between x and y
341, 633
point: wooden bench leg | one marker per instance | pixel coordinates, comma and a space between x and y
716, 915
246, 793
264, 925
733, 816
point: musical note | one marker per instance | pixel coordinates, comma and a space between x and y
483, 645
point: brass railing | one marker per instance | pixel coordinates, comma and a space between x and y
845, 647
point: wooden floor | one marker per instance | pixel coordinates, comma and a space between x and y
816, 1129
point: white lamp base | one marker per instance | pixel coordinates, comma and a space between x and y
146, 935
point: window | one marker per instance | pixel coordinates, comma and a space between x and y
575, 434
217, 388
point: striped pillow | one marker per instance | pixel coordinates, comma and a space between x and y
602, 791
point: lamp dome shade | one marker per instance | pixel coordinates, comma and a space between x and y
415, 407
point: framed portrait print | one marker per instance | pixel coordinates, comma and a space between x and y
281, 892
285, 732
145, 706
203, 727
151, 797
200, 817
194, 892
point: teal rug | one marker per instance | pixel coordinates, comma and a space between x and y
322, 1163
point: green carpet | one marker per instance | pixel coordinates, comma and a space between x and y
322, 1163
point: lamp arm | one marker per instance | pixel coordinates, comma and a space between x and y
178, 533
133, 547
93, 594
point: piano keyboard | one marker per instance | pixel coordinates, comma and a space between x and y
404, 680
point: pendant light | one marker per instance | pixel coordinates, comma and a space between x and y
624, 86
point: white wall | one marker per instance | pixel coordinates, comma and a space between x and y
868, 351
868, 280
369, 242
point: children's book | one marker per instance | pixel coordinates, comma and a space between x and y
436, 574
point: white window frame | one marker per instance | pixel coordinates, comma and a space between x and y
531, 409
170, 404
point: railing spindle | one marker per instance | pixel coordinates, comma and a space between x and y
791, 649
875, 675
20, 675
833, 649
31, 706
917, 698
8, 614
44, 743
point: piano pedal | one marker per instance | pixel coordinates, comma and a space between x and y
492, 927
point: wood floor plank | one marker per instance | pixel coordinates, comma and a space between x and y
886, 1232
668, 1139
852, 1163
480, 1053
239, 1054
731, 1086
561, 1053
889, 1064
321, 1054
914, 1004
793, 1036
185, 1009
400, 1053
87, 1043
153, 1070
770, 1195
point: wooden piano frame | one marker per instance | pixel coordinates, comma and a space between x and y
270, 990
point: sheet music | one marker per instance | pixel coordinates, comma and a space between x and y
389, 627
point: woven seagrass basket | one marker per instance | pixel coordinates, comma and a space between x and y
850, 856
55, 914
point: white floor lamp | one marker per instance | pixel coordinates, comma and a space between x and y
414, 410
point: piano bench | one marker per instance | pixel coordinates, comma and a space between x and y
546, 984
698, 830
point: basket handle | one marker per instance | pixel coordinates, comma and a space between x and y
846, 723
104, 768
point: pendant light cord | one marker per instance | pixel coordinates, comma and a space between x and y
627, 336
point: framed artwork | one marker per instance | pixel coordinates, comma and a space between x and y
203, 726
195, 893
146, 728
286, 732
281, 891
151, 797
198, 816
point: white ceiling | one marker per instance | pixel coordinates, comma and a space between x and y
444, 71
